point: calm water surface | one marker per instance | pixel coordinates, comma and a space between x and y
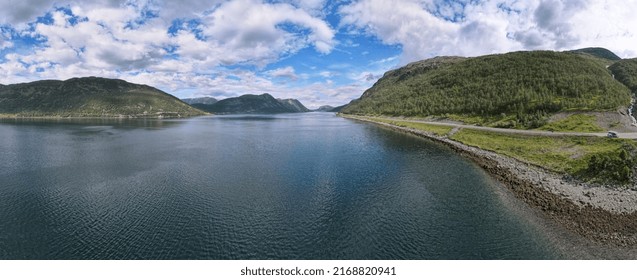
291, 186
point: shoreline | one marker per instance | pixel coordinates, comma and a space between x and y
110, 117
602, 215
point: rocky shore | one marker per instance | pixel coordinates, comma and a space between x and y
601, 214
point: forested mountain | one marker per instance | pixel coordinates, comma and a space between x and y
521, 88
293, 105
599, 52
254, 104
625, 71
328, 108
324, 108
90, 97
338, 108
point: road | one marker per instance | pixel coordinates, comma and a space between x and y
627, 135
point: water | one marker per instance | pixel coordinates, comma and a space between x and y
292, 186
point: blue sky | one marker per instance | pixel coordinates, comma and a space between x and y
320, 52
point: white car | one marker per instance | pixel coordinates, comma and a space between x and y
611, 134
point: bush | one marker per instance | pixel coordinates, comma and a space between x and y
616, 167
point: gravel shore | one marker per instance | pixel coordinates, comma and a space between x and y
605, 215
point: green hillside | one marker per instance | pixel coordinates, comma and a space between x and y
519, 89
254, 104
625, 71
599, 52
90, 97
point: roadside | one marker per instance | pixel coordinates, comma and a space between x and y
629, 135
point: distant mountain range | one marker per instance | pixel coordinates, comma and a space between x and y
200, 100
90, 97
253, 104
328, 108
100, 97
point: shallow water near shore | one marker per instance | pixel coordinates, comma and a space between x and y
289, 186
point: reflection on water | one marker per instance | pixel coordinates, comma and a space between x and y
298, 186
121, 123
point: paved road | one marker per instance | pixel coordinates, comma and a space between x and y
627, 135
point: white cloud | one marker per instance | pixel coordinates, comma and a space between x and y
608, 24
253, 31
18, 13
284, 72
111, 38
430, 28
326, 74
5, 41
409, 24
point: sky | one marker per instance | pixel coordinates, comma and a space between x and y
320, 52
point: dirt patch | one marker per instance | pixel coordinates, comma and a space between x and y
618, 120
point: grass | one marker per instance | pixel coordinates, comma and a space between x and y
439, 130
501, 121
565, 154
574, 123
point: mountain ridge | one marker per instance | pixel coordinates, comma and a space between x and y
517, 89
253, 104
90, 97
598, 52
324, 108
200, 100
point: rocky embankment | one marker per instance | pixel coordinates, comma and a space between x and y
602, 214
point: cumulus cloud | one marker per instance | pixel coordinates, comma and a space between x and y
251, 28
19, 12
118, 36
5, 40
409, 24
25, 11
429, 28
284, 72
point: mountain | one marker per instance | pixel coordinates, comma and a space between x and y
293, 105
625, 71
254, 104
599, 52
519, 89
324, 108
328, 108
337, 108
90, 97
200, 100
